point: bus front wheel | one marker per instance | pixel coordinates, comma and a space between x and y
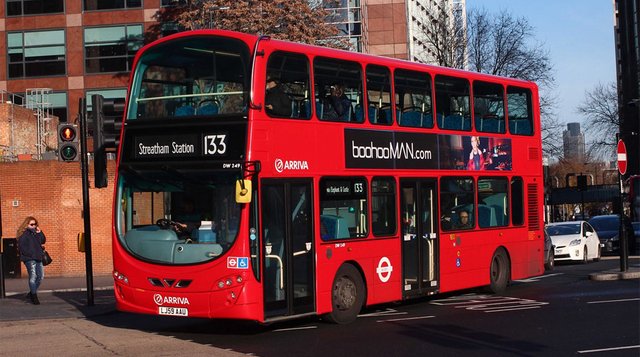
500, 271
347, 295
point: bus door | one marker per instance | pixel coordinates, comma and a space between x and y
287, 247
419, 236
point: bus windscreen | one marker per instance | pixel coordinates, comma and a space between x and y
198, 76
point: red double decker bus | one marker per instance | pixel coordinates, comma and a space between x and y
264, 180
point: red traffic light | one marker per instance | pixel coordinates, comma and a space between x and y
68, 133
68, 145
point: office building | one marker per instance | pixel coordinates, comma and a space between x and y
627, 35
57, 51
573, 143
395, 28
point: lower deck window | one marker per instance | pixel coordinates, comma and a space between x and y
456, 200
343, 208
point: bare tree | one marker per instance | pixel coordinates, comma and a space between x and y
445, 37
552, 145
293, 20
600, 109
503, 46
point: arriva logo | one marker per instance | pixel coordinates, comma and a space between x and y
176, 300
281, 165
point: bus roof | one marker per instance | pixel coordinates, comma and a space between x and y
315, 50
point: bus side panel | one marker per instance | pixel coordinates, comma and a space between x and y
466, 260
375, 269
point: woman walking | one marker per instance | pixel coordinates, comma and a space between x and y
30, 243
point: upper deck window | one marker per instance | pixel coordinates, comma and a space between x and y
452, 103
488, 107
379, 95
338, 89
198, 76
287, 88
520, 111
413, 99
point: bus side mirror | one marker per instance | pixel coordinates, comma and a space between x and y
243, 191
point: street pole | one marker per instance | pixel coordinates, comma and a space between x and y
624, 252
86, 208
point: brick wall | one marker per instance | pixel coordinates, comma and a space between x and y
51, 191
18, 131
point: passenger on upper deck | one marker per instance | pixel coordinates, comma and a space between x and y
338, 105
277, 102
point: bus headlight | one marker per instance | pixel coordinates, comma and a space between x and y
120, 277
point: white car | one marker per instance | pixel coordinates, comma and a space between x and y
575, 240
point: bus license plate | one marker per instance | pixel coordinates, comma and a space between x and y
173, 311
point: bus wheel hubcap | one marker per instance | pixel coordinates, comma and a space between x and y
345, 293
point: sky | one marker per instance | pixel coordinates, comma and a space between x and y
578, 35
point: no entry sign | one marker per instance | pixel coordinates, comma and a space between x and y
622, 157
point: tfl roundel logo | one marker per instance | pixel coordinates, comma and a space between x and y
279, 164
158, 299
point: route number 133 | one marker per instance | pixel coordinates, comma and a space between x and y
215, 144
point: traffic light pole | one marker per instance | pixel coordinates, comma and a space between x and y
86, 208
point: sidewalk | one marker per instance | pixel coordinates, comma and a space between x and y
633, 271
60, 297
58, 284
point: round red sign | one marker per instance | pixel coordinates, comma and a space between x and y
622, 157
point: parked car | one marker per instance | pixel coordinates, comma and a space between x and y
549, 261
574, 241
608, 227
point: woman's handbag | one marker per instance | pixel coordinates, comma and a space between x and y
46, 258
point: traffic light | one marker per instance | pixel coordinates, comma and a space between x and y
106, 116
68, 139
582, 182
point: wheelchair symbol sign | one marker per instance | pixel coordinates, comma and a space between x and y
238, 262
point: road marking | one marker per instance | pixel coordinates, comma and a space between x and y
387, 312
517, 308
407, 319
537, 278
610, 349
608, 301
489, 303
295, 328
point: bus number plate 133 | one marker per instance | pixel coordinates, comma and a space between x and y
173, 311
215, 144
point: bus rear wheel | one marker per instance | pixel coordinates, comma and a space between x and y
500, 271
347, 295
